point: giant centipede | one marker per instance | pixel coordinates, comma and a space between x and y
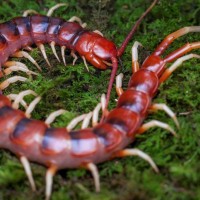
61, 148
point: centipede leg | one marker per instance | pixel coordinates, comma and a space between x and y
93, 169
156, 123
171, 37
28, 171
98, 32
119, 89
20, 54
17, 66
53, 115
97, 109
49, 181
135, 64
85, 63
15, 63
86, 121
74, 56
175, 65
136, 152
28, 12
20, 97
77, 19
181, 51
75, 121
13, 79
42, 49
52, 44
63, 54
31, 106
164, 107
51, 10
12, 97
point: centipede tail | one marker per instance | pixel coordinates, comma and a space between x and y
61, 148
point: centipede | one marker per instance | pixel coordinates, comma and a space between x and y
64, 148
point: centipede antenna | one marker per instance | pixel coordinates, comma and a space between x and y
20, 97
119, 89
134, 28
112, 78
13, 79
53, 115
85, 63
52, 44
139, 153
51, 10
164, 107
28, 171
28, 12
42, 49
31, 106
157, 123
20, 54
75, 121
63, 54
93, 169
135, 64
49, 181
12, 97
86, 120
74, 56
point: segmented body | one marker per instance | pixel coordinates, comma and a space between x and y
25, 31
33, 139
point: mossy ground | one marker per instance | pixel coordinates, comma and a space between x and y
78, 91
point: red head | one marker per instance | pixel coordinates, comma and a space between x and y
96, 49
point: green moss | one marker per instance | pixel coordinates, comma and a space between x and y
78, 91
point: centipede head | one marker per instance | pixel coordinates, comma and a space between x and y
103, 50
97, 50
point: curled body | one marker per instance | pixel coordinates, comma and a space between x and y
56, 146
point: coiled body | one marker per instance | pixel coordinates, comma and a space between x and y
34, 140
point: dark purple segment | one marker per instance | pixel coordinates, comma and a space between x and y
24, 27
6, 110
39, 26
21, 127
83, 142
109, 136
135, 101
54, 26
55, 140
